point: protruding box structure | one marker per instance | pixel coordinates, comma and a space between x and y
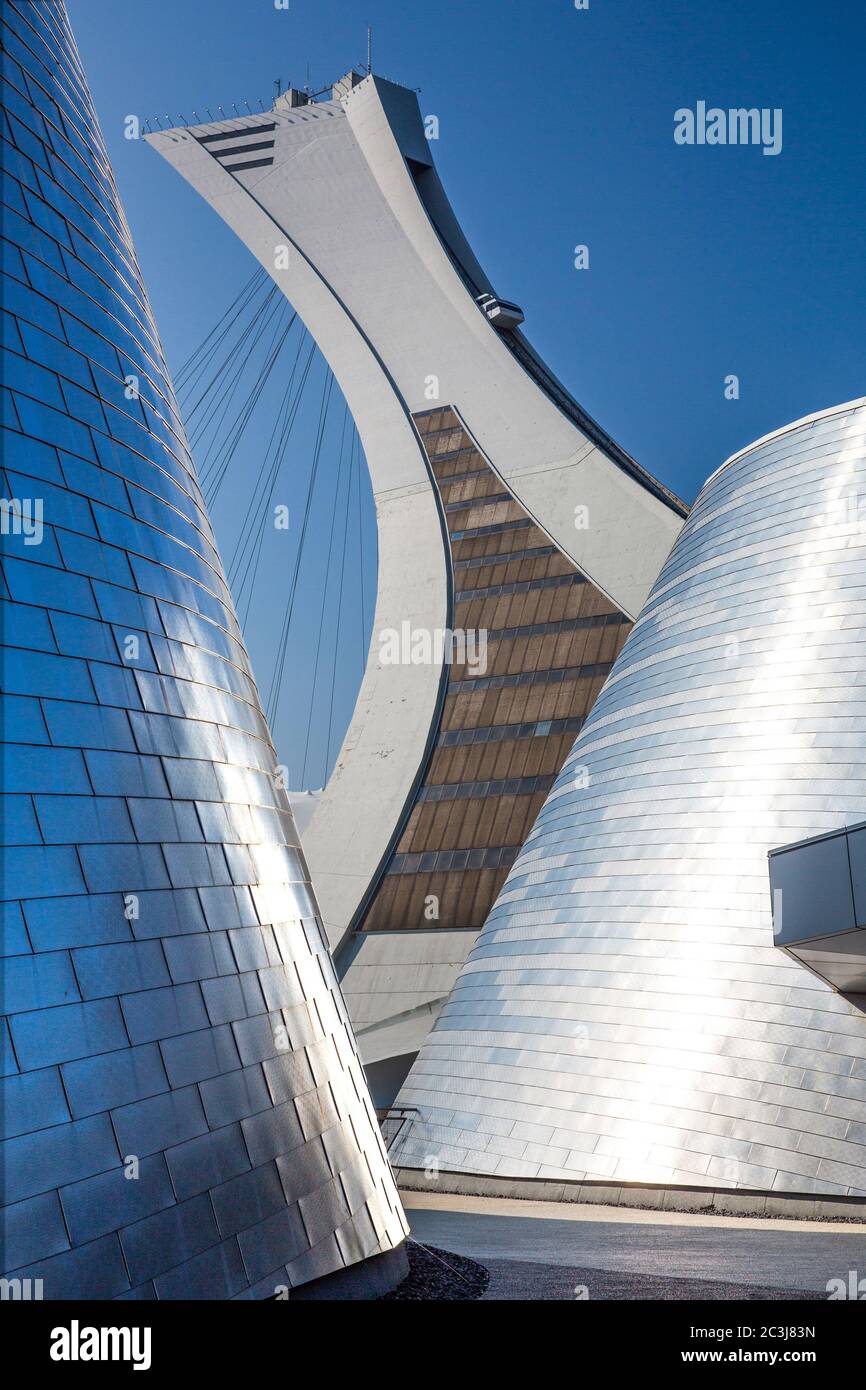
819, 906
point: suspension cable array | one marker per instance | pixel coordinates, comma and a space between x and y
260, 406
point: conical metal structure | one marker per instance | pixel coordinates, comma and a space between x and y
185, 1114
625, 1014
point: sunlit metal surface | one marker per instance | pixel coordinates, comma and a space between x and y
184, 1111
625, 1013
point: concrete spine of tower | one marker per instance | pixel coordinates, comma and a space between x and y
185, 1114
476, 454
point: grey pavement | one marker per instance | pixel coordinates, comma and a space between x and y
612, 1253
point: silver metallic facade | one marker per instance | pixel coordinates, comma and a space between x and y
625, 1014
184, 1111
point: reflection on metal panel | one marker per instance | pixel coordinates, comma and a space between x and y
624, 1013
184, 1111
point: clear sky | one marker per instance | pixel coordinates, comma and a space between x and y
556, 129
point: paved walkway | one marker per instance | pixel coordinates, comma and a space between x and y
539, 1250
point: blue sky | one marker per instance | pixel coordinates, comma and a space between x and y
556, 129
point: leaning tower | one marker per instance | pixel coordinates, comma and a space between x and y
502, 509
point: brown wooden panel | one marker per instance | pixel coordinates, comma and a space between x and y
488, 822
500, 542
483, 483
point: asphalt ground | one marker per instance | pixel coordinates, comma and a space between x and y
556, 1252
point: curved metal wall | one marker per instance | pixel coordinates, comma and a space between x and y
184, 1111
624, 1013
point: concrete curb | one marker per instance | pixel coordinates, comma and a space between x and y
720, 1201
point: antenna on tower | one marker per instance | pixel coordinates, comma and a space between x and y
369, 50
277, 85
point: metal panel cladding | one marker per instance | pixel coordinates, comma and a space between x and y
184, 1111
625, 1014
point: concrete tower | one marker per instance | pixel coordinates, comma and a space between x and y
501, 508
184, 1111
625, 1014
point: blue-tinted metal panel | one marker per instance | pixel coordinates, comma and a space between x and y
18, 825
50, 588
13, 932
54, 923
233, 997
125, 774
200, 957
49, 1158
249, 1199
67, 820
275, 1241
166, 912
92, 1207
27, 455
148, 1126
122, 868
207, 1162
163, 1013
112, 1079
40, 673
21, 720
63, 1032
199, 1056
235, 1096
171, 1238
164, 821
82, 637
31, 869
31, 1101
33, 1230
95, 1270
26, 627
37, 981
219, 1273
106, 970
